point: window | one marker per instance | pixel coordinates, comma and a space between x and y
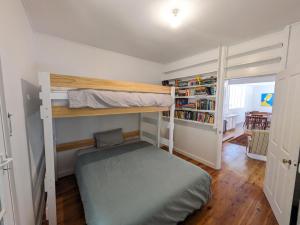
236, 96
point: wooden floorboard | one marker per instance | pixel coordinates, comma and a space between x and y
237, 198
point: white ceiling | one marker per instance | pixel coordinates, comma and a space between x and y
136, 27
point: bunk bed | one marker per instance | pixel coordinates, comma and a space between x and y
111, 180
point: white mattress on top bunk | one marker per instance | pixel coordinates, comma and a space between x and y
108, 99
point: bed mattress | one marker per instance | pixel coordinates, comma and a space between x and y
109, 99
138, 184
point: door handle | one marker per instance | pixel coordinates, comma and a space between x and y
287, 161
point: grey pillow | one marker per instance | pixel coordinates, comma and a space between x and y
109, 138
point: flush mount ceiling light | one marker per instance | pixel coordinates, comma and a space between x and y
174, 13
177, 12
175, 19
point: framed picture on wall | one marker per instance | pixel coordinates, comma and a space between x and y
267, 99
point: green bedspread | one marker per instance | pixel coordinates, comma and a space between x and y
138, 184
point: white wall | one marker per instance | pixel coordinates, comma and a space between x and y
17, 57
196, 141
67, 57
256, 97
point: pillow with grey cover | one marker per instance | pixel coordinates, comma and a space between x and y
109, 138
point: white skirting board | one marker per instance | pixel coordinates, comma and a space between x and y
194, 157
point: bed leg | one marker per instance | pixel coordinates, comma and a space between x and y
171, 123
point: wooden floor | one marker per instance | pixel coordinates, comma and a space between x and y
237, 199
233, 133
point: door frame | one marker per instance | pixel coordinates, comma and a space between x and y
4, 126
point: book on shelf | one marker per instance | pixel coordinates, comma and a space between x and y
206, 104
196, 91
188, 106
209, 80
185, 103
196, 81
199, 104
203, 117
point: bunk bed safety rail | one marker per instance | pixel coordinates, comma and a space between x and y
154, 130
151, 127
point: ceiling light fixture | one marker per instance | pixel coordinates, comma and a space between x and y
173, 13
175, 18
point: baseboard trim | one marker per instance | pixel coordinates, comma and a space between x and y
194, 157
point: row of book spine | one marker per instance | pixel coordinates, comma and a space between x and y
206, 104
200, 104
203, 117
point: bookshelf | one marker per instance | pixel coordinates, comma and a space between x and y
195, 99
197, 96
194, 86
190, 121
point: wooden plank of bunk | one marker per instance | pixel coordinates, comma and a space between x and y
90, 142
74, 82
64, 112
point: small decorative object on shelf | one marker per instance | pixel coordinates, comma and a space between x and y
195, 82
165, 83
195, 99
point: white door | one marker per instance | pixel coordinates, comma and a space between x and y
6, 204
282, 158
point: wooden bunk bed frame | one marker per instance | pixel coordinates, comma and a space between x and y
54, 87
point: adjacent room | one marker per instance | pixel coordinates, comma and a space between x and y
248, 114
149, 112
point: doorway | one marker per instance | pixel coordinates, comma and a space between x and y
247, 115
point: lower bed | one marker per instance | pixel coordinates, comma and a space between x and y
138, 184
